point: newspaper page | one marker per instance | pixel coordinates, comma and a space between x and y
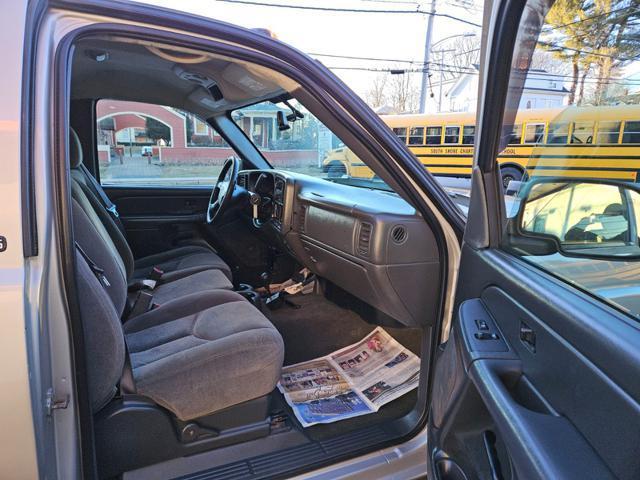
355, 380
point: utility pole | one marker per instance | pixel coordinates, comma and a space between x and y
424, 87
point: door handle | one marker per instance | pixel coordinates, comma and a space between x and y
537, 441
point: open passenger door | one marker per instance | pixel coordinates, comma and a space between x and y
539, 376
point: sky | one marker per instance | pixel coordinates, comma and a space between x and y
397, 36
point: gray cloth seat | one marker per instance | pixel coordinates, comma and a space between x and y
179, 262
193, 355
175, 263
204, 353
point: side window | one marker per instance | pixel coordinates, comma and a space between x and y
146, 144
631, 132
575, 213
452, 135
582, 132
558, 133
608, 132
416, 136
434, 135
468, 134
534, 133
516, 135
401, 133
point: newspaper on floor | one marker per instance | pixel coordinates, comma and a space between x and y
355, 380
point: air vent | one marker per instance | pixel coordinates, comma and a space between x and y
399, 234
364, 239
242, 181
303, 217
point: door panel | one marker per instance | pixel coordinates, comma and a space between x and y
553, 395
160, 218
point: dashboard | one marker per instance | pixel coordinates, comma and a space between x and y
371, 243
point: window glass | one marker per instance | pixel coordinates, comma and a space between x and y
631, 132
307, 146
416, 136
468, 134
576, 212
608, 132
558, 133
582, 132
146, 144
581, 213
534, 133
401, 133
516, 135
452, 135
434, 135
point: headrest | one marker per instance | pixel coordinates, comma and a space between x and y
75, 149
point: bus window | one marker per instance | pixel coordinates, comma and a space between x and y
416, 136
582, 132
516, 135
468, 134
401, 133
608, 132
451, 134
434, 135
631, 133
534, 133
558, 133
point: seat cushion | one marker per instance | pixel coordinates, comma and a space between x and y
198, 282
180, 262
203, 353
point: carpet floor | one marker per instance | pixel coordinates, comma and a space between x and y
319, 327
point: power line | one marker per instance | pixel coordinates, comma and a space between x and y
396, 60
351, 10
434, 69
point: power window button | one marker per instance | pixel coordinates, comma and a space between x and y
482, 325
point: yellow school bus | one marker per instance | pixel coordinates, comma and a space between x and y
587, 142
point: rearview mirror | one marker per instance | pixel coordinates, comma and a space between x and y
283, 122
583, 218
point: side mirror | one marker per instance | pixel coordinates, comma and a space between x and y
283, 121
577, 218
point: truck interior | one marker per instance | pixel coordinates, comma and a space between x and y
184, 330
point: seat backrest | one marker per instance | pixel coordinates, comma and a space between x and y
92, 237
89, 186
100, 309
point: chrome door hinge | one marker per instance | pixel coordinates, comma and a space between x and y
52, 403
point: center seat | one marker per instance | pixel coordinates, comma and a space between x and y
168, 287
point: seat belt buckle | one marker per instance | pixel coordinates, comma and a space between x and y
113, 210
148, 283
156, 274
143, 303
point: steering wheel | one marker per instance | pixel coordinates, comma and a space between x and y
223, 189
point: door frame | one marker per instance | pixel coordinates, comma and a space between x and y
402, 169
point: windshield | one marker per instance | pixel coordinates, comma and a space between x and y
292, 139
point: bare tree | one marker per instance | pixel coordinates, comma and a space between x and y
376, 95
464, 54
403, 93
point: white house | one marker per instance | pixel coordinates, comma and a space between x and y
541, 90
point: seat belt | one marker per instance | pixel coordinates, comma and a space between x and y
106, 202
142, 304
148, 283
97, 271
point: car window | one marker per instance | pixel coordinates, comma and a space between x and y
145, 144
575, 214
